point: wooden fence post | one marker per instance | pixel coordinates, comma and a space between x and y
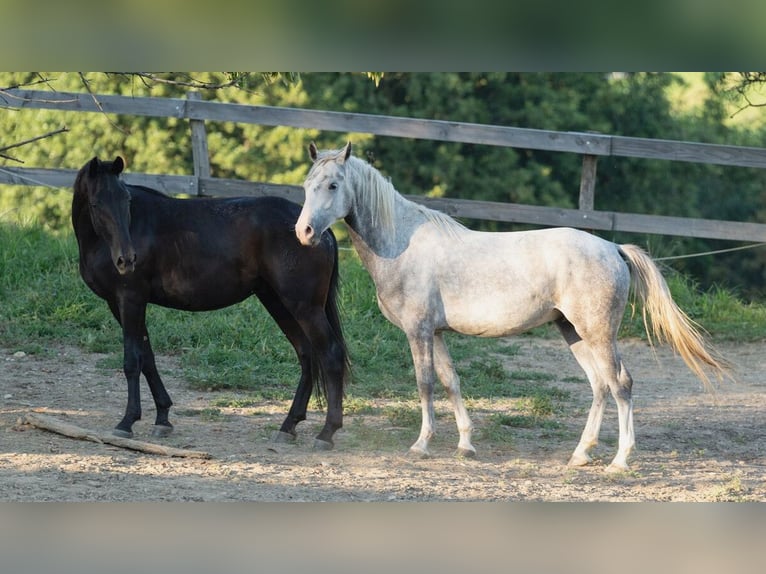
588, 182
200, 153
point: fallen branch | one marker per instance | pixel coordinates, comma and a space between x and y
73, 431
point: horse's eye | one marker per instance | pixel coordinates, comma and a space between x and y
333, 186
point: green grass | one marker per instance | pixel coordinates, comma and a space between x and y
403, 414
43, 301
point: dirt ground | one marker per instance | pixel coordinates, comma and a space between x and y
690, 445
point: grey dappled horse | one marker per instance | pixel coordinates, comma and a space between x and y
433, 275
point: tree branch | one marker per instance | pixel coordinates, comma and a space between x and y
25, 142
743, 84
86, 84
234, 81
34, 139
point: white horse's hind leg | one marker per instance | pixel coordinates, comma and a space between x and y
589, 437
423, 359
449, 378
621, 391
605, 371
582, 353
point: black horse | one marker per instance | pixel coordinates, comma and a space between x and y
139, 246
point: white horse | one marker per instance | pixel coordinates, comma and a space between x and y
433, 275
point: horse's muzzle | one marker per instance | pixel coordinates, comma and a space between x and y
306, 235
126, 264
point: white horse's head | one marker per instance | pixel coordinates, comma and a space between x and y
328, 197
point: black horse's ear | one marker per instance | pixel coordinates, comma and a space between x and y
93, 166
118, 165
347, 151
313, 151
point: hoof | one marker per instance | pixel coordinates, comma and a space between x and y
616, 468
281, 436
579, 460
320, 444
419, 454
162, 430
122, 433
465, 453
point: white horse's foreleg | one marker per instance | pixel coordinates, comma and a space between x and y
445, 370
621, 391
423, 359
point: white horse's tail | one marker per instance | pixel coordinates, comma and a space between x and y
668, 322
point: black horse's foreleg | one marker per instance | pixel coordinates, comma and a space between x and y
162, 402
131, 316
132, 370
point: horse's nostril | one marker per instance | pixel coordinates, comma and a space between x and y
125, 264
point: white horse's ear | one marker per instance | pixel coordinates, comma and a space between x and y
347, 151
313, 151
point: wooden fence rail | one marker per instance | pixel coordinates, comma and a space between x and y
590, 145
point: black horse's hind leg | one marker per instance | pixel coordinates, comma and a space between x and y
330, 355
162, 402
300, 343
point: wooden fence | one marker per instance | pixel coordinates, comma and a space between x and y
590, 145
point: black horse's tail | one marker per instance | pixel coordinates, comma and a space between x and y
338, 345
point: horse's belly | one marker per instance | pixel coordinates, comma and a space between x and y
188, 302
487, 320
197, 294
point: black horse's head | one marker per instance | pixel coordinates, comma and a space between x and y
109, 206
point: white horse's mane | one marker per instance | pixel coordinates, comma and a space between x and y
381, 197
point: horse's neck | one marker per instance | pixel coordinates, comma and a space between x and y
374, 239
369, 255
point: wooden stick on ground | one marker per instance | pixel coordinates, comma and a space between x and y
67, 429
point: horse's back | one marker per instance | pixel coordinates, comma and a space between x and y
169, 212
538, 256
